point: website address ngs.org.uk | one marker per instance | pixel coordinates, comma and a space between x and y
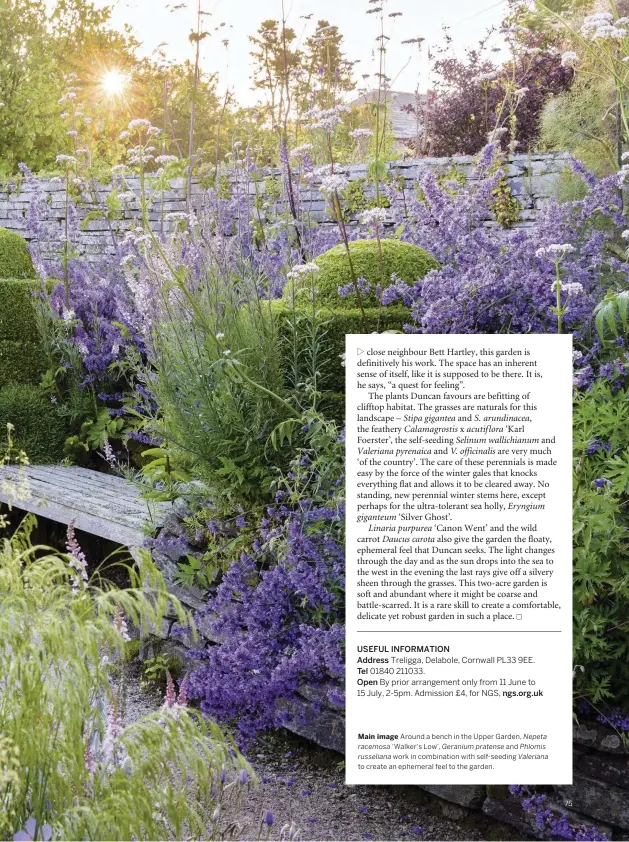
526, 694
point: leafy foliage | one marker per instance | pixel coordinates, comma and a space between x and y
15, 261
572, 122
20, 362
41, 43
601, 543
336, 324
40, 426
473, 97
75, 771
17, 313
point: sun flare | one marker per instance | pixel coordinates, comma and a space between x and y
114, 82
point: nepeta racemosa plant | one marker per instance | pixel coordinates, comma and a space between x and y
279, 610
492, 280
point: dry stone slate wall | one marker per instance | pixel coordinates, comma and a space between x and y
531, 178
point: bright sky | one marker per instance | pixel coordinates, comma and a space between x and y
153, 23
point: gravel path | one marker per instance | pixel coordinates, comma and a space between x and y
302, 783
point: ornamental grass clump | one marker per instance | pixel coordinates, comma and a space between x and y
70, 768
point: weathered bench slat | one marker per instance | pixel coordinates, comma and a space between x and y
62, 484
101, 504
80, 501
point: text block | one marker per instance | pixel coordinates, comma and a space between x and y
459, 559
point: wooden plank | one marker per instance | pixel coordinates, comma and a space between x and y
81, 502
124, 497
61, 485
100, 504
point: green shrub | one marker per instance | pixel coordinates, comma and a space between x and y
40, 428
20, 362
410, 264
17, 314
15, 261
336, 324
601, 542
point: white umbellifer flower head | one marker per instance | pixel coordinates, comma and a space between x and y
72, 133
298, 151
333, 183
574, 288
496, 134
569, 59
166, 159
576, 356
374, 216
358, 133
625, 234
521, 92
555, 251
154, 131
220, 336
226, 353
119, 169
68, 315
124, 135
327, 123
139, 125
302, 269
64, 116
601, 26
66, 160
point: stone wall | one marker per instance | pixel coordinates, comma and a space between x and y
598, 798
532, 178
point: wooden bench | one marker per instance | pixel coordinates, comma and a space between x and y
101, 504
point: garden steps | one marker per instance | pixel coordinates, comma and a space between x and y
100, 504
